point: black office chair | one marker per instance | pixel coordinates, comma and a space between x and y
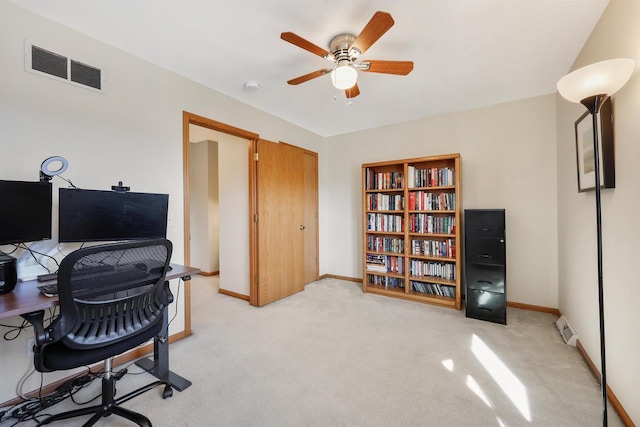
112, 299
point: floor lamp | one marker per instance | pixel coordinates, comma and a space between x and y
591, 86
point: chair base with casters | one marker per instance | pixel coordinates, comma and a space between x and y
110, 405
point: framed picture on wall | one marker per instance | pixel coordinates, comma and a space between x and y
585, 153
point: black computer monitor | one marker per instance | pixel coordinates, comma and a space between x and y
105, 216
25, 215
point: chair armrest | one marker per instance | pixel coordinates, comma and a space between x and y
37, 321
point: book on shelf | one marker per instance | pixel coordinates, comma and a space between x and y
385, 244
430, 177
426, 223
385, 222
387, 282
377, 268
425, 200
441, 270
384, 263
385, 202
433, 289
383, 180
435, 248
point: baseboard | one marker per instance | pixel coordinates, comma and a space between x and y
626, 419
119, 360
333, 276
209, 273
509, 303
233, 294
531, 307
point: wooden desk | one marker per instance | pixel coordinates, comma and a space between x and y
26, 298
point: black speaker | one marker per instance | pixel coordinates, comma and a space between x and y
8, 274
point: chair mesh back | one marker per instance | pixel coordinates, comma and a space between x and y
114, 291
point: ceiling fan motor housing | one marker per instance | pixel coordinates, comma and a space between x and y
339, 47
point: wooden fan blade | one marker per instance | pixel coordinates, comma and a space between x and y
306, 45
387, 67
375, 28
308, 77
353, 91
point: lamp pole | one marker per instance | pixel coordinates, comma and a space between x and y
591, 86
593, 104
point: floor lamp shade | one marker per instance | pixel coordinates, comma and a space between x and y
601, 78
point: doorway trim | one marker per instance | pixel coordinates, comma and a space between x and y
190, 118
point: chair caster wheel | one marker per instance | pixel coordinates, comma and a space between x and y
168, 392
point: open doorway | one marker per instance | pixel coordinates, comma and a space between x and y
217, 204
267, 212
219, 208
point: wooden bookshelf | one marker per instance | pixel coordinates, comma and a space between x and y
411, 229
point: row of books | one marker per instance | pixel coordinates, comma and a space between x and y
385, 244
420, 268
385, 202
385, 222
434, 289
426, 201
430, 177
386, 281
383, 180
385, 264
425, 223
436, 248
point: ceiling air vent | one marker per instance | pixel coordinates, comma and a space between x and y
60, 67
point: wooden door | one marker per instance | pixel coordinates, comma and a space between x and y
310, 217
280, 226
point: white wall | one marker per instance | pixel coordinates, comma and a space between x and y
203, 207
133, 133
213, 205
508, 161
233, 179
616, 35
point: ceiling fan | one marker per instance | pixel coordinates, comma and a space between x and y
345, 49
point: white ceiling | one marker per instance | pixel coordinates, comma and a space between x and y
466, 53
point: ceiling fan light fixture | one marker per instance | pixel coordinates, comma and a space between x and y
344, 77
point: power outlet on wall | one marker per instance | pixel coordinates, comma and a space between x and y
31, 342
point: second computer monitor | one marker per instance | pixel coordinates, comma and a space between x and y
105, 216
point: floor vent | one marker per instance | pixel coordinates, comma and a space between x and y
47, 63
566, 331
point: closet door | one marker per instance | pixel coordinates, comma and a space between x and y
280, 226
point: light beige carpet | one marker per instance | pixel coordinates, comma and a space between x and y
333, 356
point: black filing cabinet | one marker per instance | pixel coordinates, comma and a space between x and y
485, 268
